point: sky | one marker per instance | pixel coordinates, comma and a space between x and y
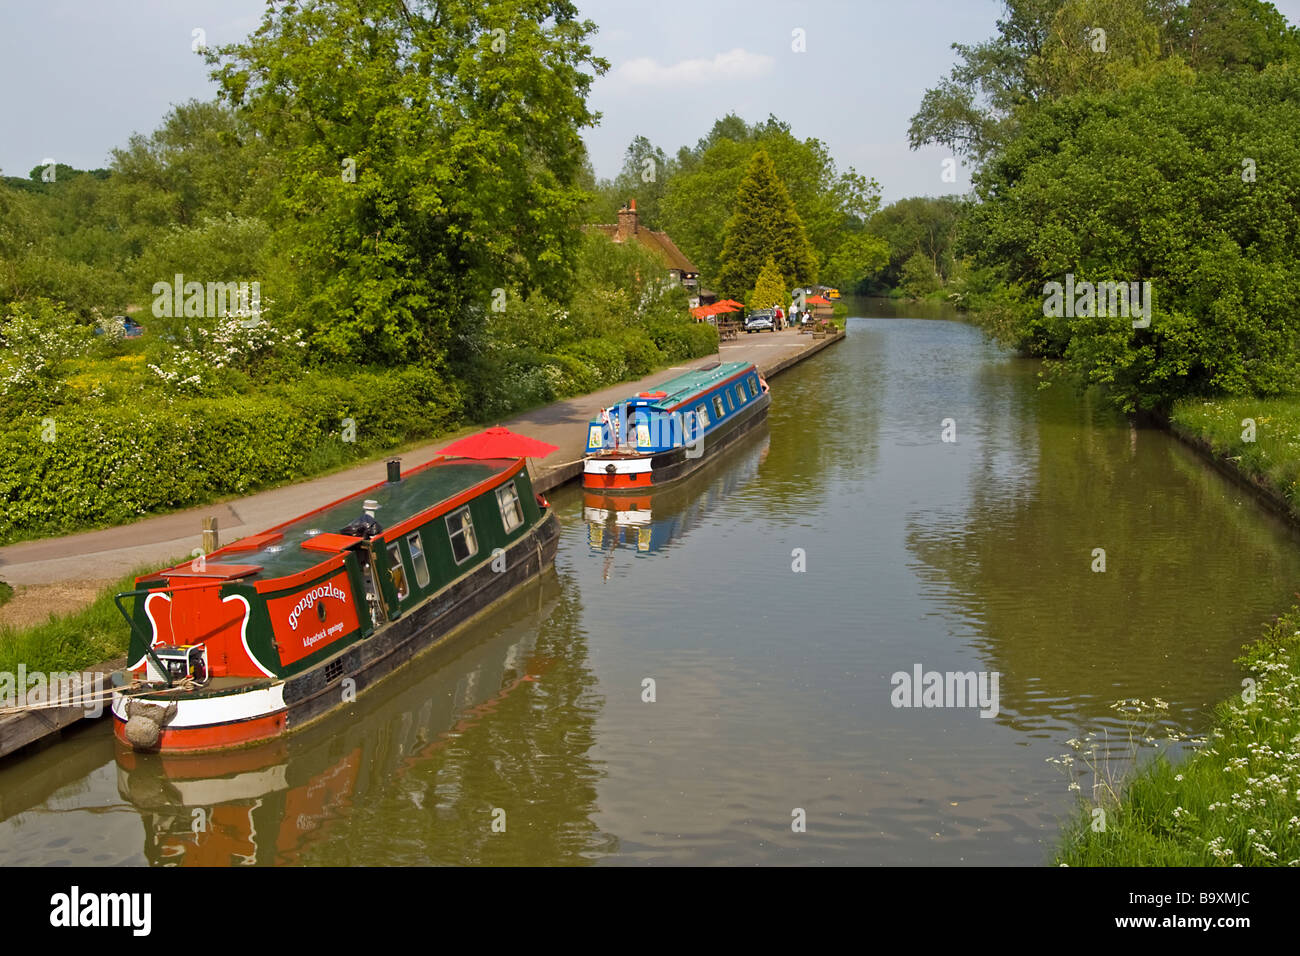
78, 77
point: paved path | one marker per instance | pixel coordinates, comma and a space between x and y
102, 556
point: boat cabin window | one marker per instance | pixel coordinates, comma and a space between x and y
418, 560
595, 437
703, 415
461, 531
512, 512
740, 396
717, 406
398, 570
753, 388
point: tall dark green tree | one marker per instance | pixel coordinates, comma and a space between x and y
427, 153
764, 225
833, 205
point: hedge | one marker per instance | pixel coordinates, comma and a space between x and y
110, 464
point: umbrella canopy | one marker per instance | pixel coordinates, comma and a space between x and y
700, 311
732, 304
817, 300
498, 442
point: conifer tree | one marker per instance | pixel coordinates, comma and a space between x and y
764, 225
769, 289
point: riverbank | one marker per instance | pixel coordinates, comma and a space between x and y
1235, 799
1255, 441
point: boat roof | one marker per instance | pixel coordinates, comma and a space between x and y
683, 387
309, 540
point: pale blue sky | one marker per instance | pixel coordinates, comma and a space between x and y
79, 76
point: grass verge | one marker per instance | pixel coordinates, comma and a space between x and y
73, 641
1260, 436
1236, 800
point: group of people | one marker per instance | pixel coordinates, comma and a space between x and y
802, 318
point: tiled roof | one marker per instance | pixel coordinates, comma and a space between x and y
656, 242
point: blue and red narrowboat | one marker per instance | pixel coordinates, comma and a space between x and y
656, 437
654, 520
278, 629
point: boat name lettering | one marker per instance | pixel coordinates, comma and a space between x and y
310, 598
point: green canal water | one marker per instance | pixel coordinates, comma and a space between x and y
531, 740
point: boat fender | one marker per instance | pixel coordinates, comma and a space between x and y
145, 722
610, 469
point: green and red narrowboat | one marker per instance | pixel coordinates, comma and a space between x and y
276, 630
277, 802
659, 436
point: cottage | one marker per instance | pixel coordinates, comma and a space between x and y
680, 268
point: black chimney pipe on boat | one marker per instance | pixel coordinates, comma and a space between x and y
394, 470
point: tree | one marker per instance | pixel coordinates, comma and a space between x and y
857, 257
427, 154
202, 160
918, 225
770, 288
764, 225
918, 277
832, 205
1047, 49
644, 176
1230, 34
1205, 215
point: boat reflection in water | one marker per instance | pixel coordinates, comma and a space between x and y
274, 803
649, 522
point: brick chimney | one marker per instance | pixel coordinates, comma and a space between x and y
626, 221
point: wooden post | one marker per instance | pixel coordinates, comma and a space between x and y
210, 536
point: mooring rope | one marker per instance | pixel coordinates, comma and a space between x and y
95, 697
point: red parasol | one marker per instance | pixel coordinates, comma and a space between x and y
817, 300
498, 442
732, 305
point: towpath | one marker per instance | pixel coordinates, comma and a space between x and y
60, 574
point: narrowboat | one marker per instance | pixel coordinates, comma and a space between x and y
275, 630
283, 801
659, 436
652, 521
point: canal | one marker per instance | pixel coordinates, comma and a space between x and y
711, 678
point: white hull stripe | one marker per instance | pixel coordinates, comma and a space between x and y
206, 711
622, 466
600, 516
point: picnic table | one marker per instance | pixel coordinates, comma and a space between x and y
728, 329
